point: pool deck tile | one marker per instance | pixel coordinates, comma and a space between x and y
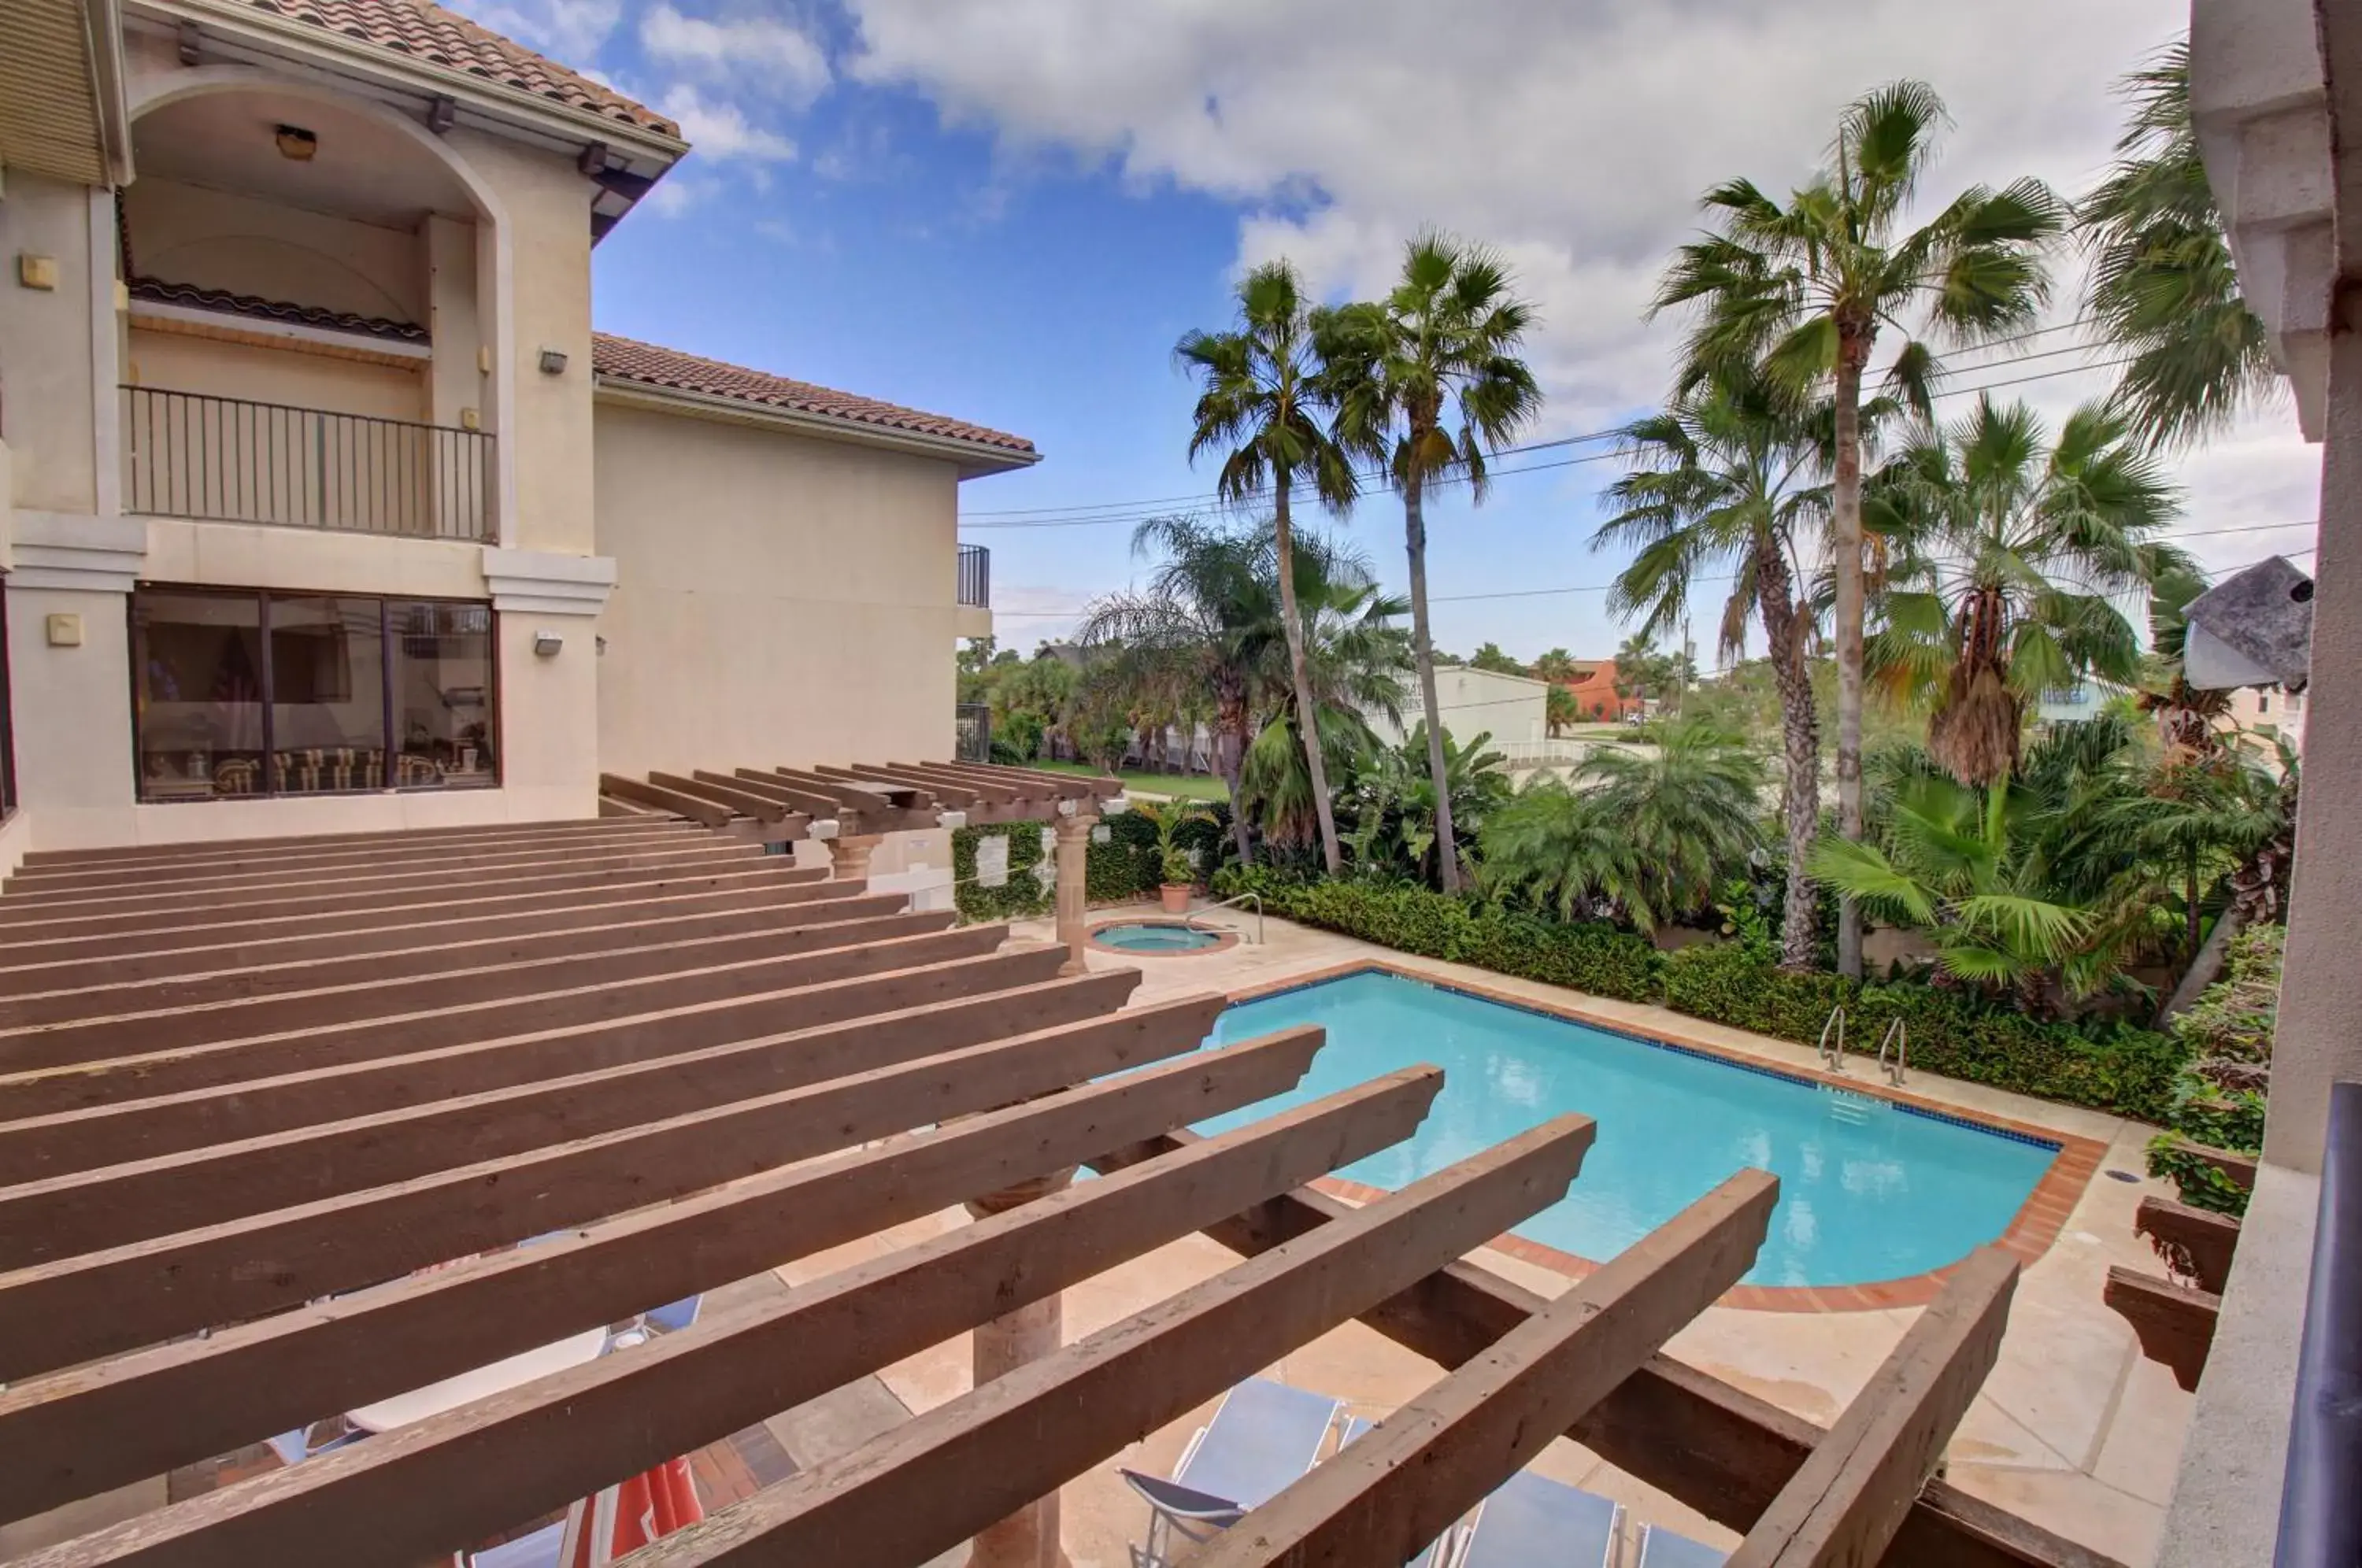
2069, 1430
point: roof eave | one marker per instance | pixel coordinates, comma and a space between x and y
975, 458
242, 33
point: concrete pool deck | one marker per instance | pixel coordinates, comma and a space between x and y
2073, 1430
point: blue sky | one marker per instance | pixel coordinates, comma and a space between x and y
1009, 213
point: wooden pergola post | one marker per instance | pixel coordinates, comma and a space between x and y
849, 855
1030, 1537
1074, 843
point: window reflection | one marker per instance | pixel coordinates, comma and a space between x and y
198, 663
443, 693
327, 695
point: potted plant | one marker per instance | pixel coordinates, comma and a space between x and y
1167, 818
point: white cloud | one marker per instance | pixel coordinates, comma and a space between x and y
569, 31
761, 53
676, 194
1572, 135
719, 128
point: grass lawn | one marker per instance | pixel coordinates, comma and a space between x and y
1188, 786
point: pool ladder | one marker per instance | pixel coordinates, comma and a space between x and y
1189, 921
1894, 1049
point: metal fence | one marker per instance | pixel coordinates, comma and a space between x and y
975, 577
229, 460
972, 732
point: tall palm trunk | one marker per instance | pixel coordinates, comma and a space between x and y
1306, 712
1853, 352
1800, 790
1230, 755
1447, 845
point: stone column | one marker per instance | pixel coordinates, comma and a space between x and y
849, 857
1028, 1537
1073, 847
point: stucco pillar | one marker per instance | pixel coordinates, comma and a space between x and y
1074, 844
849, 857
1028, 1537
2321, 987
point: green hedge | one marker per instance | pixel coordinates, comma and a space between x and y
2110, 1066
1122, 870
1595, 958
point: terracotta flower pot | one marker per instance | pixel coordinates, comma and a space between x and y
1175, 897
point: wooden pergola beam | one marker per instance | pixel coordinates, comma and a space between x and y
746, 802
2174, 1323
920, 794
33, 967
124, 1031
46, 860
1846, 1504
640, 792
147, 1130
86, 1429
189, 1189
104, 1302
383, 869
2198, 1242
584, 1028
569, 1434
1026, 781
993, 792
308, 916
1402, 1485
1708, 1446
109, 998
874, 799
937, 1479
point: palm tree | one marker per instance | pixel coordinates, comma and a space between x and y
1651, 829
1807, 288
1556, 665
1560, 711
1355, 656
2186, 715
2162, 286
1259, 389
1428, 380
1205, 623
2021, 544
1727, 480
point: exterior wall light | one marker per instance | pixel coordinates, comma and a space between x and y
296, 143
553, 361
546, 644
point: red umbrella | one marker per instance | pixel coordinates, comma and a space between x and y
624, 1518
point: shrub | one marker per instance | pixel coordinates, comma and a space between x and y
2107, 1065
1599, 959
2218, 1098
1124, 869
2111, 1067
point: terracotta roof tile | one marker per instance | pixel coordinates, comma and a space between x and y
622, 359
260, 309
426, 31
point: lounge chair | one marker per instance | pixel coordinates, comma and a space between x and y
1438, 1551
540, 1550
1531, 1519
1663, 1549
1263, 1435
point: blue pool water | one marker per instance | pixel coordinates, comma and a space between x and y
1147, 936
1869, 1190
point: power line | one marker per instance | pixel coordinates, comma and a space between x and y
1723, 577
1124, 510
1136, 518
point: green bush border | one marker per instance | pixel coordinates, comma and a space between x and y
2109, 1066
1123, 870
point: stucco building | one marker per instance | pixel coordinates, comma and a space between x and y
323, 507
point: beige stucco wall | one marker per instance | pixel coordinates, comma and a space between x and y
1473, 702
219, 239
780, 598
46, 345
177, 362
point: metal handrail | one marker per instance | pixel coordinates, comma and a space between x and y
1834, 1059
2321, 1508
975, 577
1189, 921
237, 460
1899, 1038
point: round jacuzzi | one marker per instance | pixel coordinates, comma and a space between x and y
1159, 938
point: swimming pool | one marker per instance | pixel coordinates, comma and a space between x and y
1869, 1189
1156, 937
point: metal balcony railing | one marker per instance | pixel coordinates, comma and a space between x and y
975, 577
226, 460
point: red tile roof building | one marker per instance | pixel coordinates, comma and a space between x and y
1595, 696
